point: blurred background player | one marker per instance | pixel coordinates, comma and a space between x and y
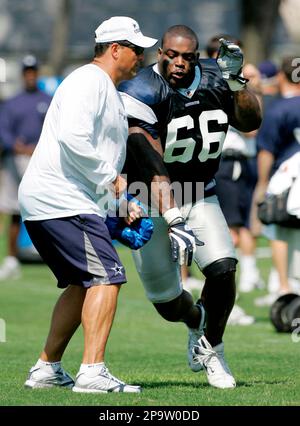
277, 141
269, 82
278, 280
21, 122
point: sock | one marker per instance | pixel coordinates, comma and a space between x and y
95, 368
273, 281
247, 264
48, 366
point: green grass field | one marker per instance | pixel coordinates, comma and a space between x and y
144, 349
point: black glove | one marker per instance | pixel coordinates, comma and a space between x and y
183, 240
230, 61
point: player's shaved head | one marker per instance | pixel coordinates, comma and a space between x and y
180, 31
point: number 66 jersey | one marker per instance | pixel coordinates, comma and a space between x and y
191, 122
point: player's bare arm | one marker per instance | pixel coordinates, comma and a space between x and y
148, 154
247, 111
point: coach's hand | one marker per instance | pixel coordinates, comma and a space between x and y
230, 61
183, 241
118, 186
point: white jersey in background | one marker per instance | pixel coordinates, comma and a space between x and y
81, 149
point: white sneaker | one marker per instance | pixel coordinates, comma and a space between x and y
10, 268
249, 283
239, 317
101, 381
294, 285
266, 300
194, 336
273, 285
213, 361
42, 378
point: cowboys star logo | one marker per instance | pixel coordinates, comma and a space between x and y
117, 269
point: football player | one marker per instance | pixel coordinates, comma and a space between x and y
179, 111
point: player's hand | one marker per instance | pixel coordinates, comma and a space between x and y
230, 61
183, 240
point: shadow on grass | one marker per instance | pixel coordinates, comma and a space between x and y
171, 383
260, 382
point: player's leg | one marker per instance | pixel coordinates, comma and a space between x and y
10, 267
218, 297
162, 281
181, 309
217, 260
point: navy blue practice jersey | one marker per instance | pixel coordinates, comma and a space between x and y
280, 130
192, 123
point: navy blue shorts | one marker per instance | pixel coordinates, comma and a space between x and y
78, 250
234, 195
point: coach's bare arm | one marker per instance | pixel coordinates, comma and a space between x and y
247, 111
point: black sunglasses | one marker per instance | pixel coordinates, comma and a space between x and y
137, 49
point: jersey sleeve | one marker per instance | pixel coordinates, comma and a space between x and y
140, 114
146, 99
212, 77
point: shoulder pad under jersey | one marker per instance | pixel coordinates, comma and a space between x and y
147, 86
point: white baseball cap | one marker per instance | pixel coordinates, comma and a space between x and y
30, 61
120, 28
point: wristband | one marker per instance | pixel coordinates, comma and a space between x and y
173, 216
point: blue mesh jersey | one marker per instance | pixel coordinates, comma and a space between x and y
192, 123
153, 109
280, 130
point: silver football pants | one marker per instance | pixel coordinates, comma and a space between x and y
158, 273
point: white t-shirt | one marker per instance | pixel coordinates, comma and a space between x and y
81, 149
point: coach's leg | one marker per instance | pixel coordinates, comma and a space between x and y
66, 318
218, 297
97, 317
